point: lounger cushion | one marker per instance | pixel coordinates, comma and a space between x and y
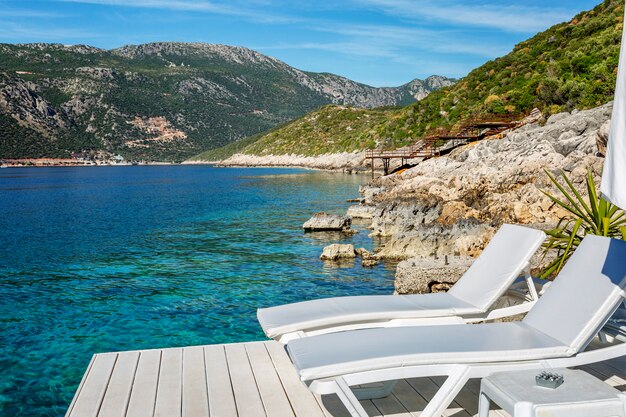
485, 281
371, 349
585, 294
504, 258
325, 312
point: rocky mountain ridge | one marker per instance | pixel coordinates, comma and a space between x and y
60, 99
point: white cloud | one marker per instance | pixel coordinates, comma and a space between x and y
200, 6
409, 38
6, 11
10, 31
509, 18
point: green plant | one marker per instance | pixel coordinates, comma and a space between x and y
590, 216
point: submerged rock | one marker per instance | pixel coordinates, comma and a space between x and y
338, 251
324, 222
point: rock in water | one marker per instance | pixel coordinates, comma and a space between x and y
338, 251
323, 222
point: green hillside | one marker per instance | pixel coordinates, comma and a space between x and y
331, 129
572, 65
161, 101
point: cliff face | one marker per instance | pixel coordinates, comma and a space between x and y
210, 94
452, 205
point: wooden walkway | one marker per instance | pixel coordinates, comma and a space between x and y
247, 380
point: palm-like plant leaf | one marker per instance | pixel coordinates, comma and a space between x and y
593, 215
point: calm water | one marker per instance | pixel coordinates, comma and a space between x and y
122, 258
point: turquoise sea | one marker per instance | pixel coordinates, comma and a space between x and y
104, 259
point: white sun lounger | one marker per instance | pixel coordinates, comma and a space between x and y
554, 334
506, 256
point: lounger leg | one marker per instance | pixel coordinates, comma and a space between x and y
370, 393
483, 405
531, 284
348, 399
447, 392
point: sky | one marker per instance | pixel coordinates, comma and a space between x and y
376, 42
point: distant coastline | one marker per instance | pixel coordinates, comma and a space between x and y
340, 162
70, 162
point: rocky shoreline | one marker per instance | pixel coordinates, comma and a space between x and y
453, 204
345, 162
440, 214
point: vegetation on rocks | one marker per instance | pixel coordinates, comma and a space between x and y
572, 65
332, 129
584, 216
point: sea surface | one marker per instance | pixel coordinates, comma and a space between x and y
98, 259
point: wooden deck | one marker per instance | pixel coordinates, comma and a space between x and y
247, 379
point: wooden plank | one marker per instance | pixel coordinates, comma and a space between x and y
92, 393
427, 388
369, 408
465, 398
143, 396
221, 397
273, 395
168, 401
121, 383
473, 386
246, 392
609, 371
410, 398
302, 400
332, 406
80, 386
390, 406
195, 391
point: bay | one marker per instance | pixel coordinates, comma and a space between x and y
122, 258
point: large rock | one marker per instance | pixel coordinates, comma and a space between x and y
338, 251
426, 275
322, 222
453, 204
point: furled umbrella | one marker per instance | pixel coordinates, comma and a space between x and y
613, 186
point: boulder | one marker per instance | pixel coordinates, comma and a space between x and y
368, 259
322, 222
426, 275
369, 263
338, 251
361, 211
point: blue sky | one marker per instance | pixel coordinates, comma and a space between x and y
377, 42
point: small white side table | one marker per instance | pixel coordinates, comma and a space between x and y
580, 395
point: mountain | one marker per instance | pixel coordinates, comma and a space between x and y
572, 65
161, 101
